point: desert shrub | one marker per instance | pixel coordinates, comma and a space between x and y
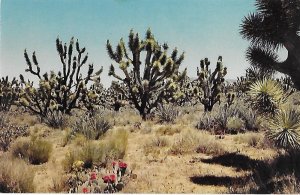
15, 176
169, 129
80, 140
156, 145
113, 146
3, 119
284, 129
55, 119
90, 154
67, 137
251, 139
158, 141
91, 127
59, 184
206, 122
116, 144
235, 124
250, 117
35, 150
167, 113
9, 133
190, 140
210, 147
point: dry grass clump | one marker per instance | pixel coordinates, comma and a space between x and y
59, 184
131, 118
155, 145
56, 119
92, 127
147, 127
251, 139
235, 124
15, 176
167, 113
34, 149
191, 140
169, 129
113, 146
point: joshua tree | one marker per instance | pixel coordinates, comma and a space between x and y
146, 83
275, 24
210, 83
9, 93
62, 91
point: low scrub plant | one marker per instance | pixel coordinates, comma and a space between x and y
35, 150
167, 113
113, 146
235, 124
9, 133
169, 129
91, 127
15, 176
56, 119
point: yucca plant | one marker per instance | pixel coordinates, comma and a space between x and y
284, 129
266, 95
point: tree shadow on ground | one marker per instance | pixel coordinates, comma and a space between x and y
219, 180
264, 174
238, 161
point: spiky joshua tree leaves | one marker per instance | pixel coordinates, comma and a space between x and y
284, 129
267, 95
211, 83
148, 81
60, 91
275, 24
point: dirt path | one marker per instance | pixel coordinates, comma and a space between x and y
52, 170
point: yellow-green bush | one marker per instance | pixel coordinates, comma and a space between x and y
113, 146
35, 150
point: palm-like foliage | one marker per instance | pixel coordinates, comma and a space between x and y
266, 95
284, 130
274, 25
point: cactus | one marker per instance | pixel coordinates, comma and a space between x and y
160, 72
210, 83
61, 91
9, 93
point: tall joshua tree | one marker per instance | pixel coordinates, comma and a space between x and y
211, 83
62, 91
275, 24
146, 83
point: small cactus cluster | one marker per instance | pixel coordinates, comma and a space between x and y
147, 84
99, 180
9, 93
210, 83
62, 91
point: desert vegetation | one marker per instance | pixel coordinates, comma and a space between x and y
155, 129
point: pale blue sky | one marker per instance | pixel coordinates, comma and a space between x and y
201, 28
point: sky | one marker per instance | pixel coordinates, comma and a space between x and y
200, 28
